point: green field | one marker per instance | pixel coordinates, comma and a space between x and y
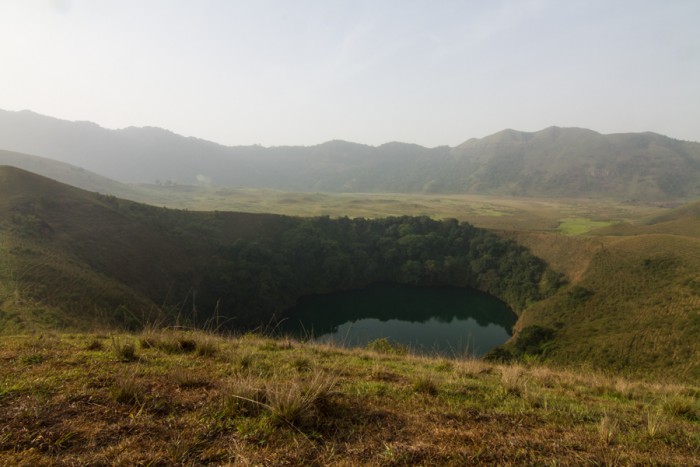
493, 212
581, 225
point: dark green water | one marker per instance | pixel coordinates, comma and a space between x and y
447, 321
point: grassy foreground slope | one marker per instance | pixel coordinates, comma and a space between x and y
187, 398
633, 302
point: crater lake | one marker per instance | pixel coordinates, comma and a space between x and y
428, 320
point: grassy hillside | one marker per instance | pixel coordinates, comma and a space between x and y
680, 221
633, 301
74, 258
175, 397
44, 282
555, 162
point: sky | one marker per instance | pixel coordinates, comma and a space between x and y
302, 72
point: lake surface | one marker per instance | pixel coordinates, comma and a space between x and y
442, 320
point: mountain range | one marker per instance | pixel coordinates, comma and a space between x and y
554, 162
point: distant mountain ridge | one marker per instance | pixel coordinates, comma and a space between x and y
68, 174
554, 162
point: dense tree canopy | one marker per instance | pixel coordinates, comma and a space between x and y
251, 281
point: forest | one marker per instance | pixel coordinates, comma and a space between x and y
238, 270
256, 280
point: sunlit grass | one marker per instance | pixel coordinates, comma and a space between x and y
496, 212
581, 225
290, 402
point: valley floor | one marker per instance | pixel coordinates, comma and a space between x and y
167, 397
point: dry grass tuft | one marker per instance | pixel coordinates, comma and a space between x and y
187, 379
94, 345
681, 406
655, 423
512, 379
180, 341
426, 385
128, 391
472, 366
124, 351
243, 397
297, 403
608, 429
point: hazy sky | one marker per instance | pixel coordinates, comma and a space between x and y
301, 72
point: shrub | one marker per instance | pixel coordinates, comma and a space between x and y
532, 340
499, 355
578, 295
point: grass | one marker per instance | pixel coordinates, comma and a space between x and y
639, 312
608, 429
580, 225
179, 341
261, 401
493, 212
128, 391
512, 380
125, 351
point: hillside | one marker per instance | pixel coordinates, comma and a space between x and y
58, 269
79, 255
679, 221
71, 175
576, 162
73, 258
633, 300
168, 397
555, 162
